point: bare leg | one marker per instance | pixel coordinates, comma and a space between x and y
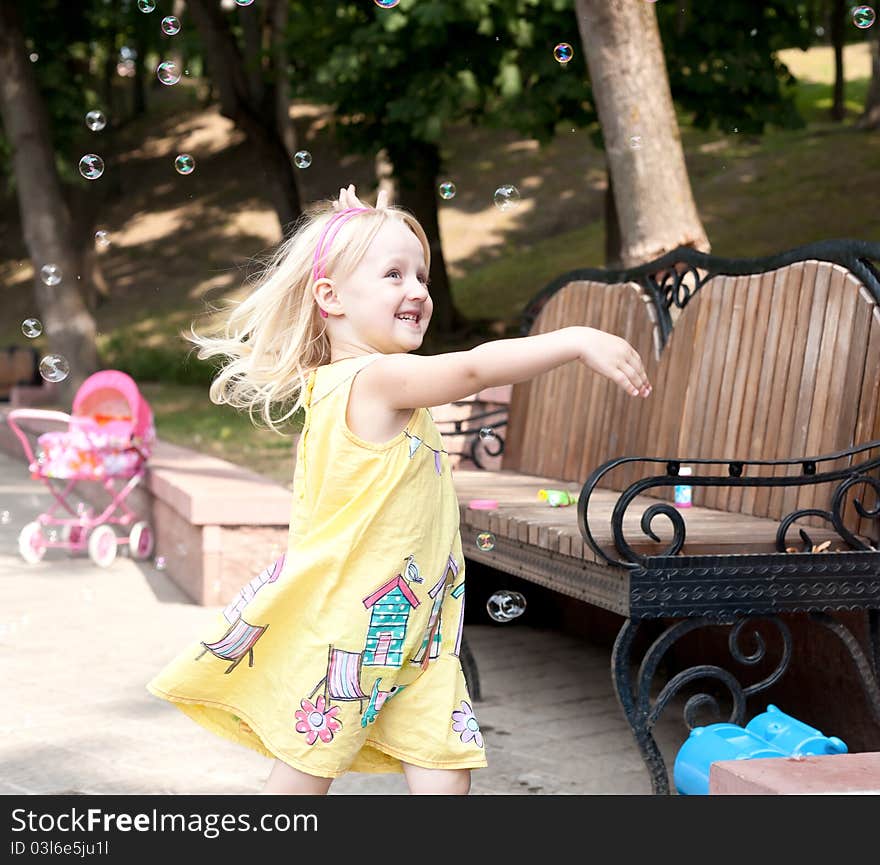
437, 782
284, 780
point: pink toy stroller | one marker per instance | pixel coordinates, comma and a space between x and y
109, 437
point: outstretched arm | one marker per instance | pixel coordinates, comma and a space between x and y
406, 381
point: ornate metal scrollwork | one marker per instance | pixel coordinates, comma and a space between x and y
474, 442
642, 712
737, 475
677, 285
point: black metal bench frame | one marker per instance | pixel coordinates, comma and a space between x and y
726, 590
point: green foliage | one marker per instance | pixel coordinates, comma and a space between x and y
722, 65
161, 363
400, 76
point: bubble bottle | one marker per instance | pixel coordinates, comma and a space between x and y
683, 492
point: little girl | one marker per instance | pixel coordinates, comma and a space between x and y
352, 638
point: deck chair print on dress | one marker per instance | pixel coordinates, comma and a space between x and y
237, 642
109, 437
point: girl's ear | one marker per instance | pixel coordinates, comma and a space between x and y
324, 293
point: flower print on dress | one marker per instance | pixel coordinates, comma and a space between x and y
316, 723
465, 723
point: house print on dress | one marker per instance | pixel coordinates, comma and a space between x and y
246, 594
389, 609
433, 636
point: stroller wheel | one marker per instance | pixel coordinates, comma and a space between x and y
102, 546
140, 541
31, 543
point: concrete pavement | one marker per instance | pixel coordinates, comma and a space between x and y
78, 643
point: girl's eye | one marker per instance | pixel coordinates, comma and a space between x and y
393, 272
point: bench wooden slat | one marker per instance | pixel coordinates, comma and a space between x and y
749, 287
854, 375
842, 394
786, 295
574, 403
868, 426
715, 432
800, 281
821, 387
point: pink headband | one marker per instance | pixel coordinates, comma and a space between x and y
333, 225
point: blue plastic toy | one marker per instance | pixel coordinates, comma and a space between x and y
770, 734
793, 736
707, 745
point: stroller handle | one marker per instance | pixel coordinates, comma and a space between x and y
32, 414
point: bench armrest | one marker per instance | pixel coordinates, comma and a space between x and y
737, 475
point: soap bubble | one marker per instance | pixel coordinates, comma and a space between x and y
32, 327
635, 142
167, 72
505, 605
243, 2
447, 190
33, 57
54, 367
146, 5
102, 238
863, 17
506, 197
485, 541
159, 563
91, 166
563, 53
170, 25
4, 518
302, 159
386, 4
487, 433
50, 274
96, 120
184, 164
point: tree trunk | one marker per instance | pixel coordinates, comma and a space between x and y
612, 225
836, 25
139, 80
278, 17
45, 217
652, 192
256, 120
416, 167
252, 45
870, 118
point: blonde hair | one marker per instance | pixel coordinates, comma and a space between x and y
274, 338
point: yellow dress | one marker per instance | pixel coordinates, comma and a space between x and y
344, 654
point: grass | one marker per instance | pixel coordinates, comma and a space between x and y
184, 415
178, 243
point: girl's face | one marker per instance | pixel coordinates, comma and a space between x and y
384, 304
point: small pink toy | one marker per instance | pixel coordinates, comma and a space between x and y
482, 504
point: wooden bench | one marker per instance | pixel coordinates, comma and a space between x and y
766, 377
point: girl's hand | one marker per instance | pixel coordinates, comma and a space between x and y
348, 198
615, 358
